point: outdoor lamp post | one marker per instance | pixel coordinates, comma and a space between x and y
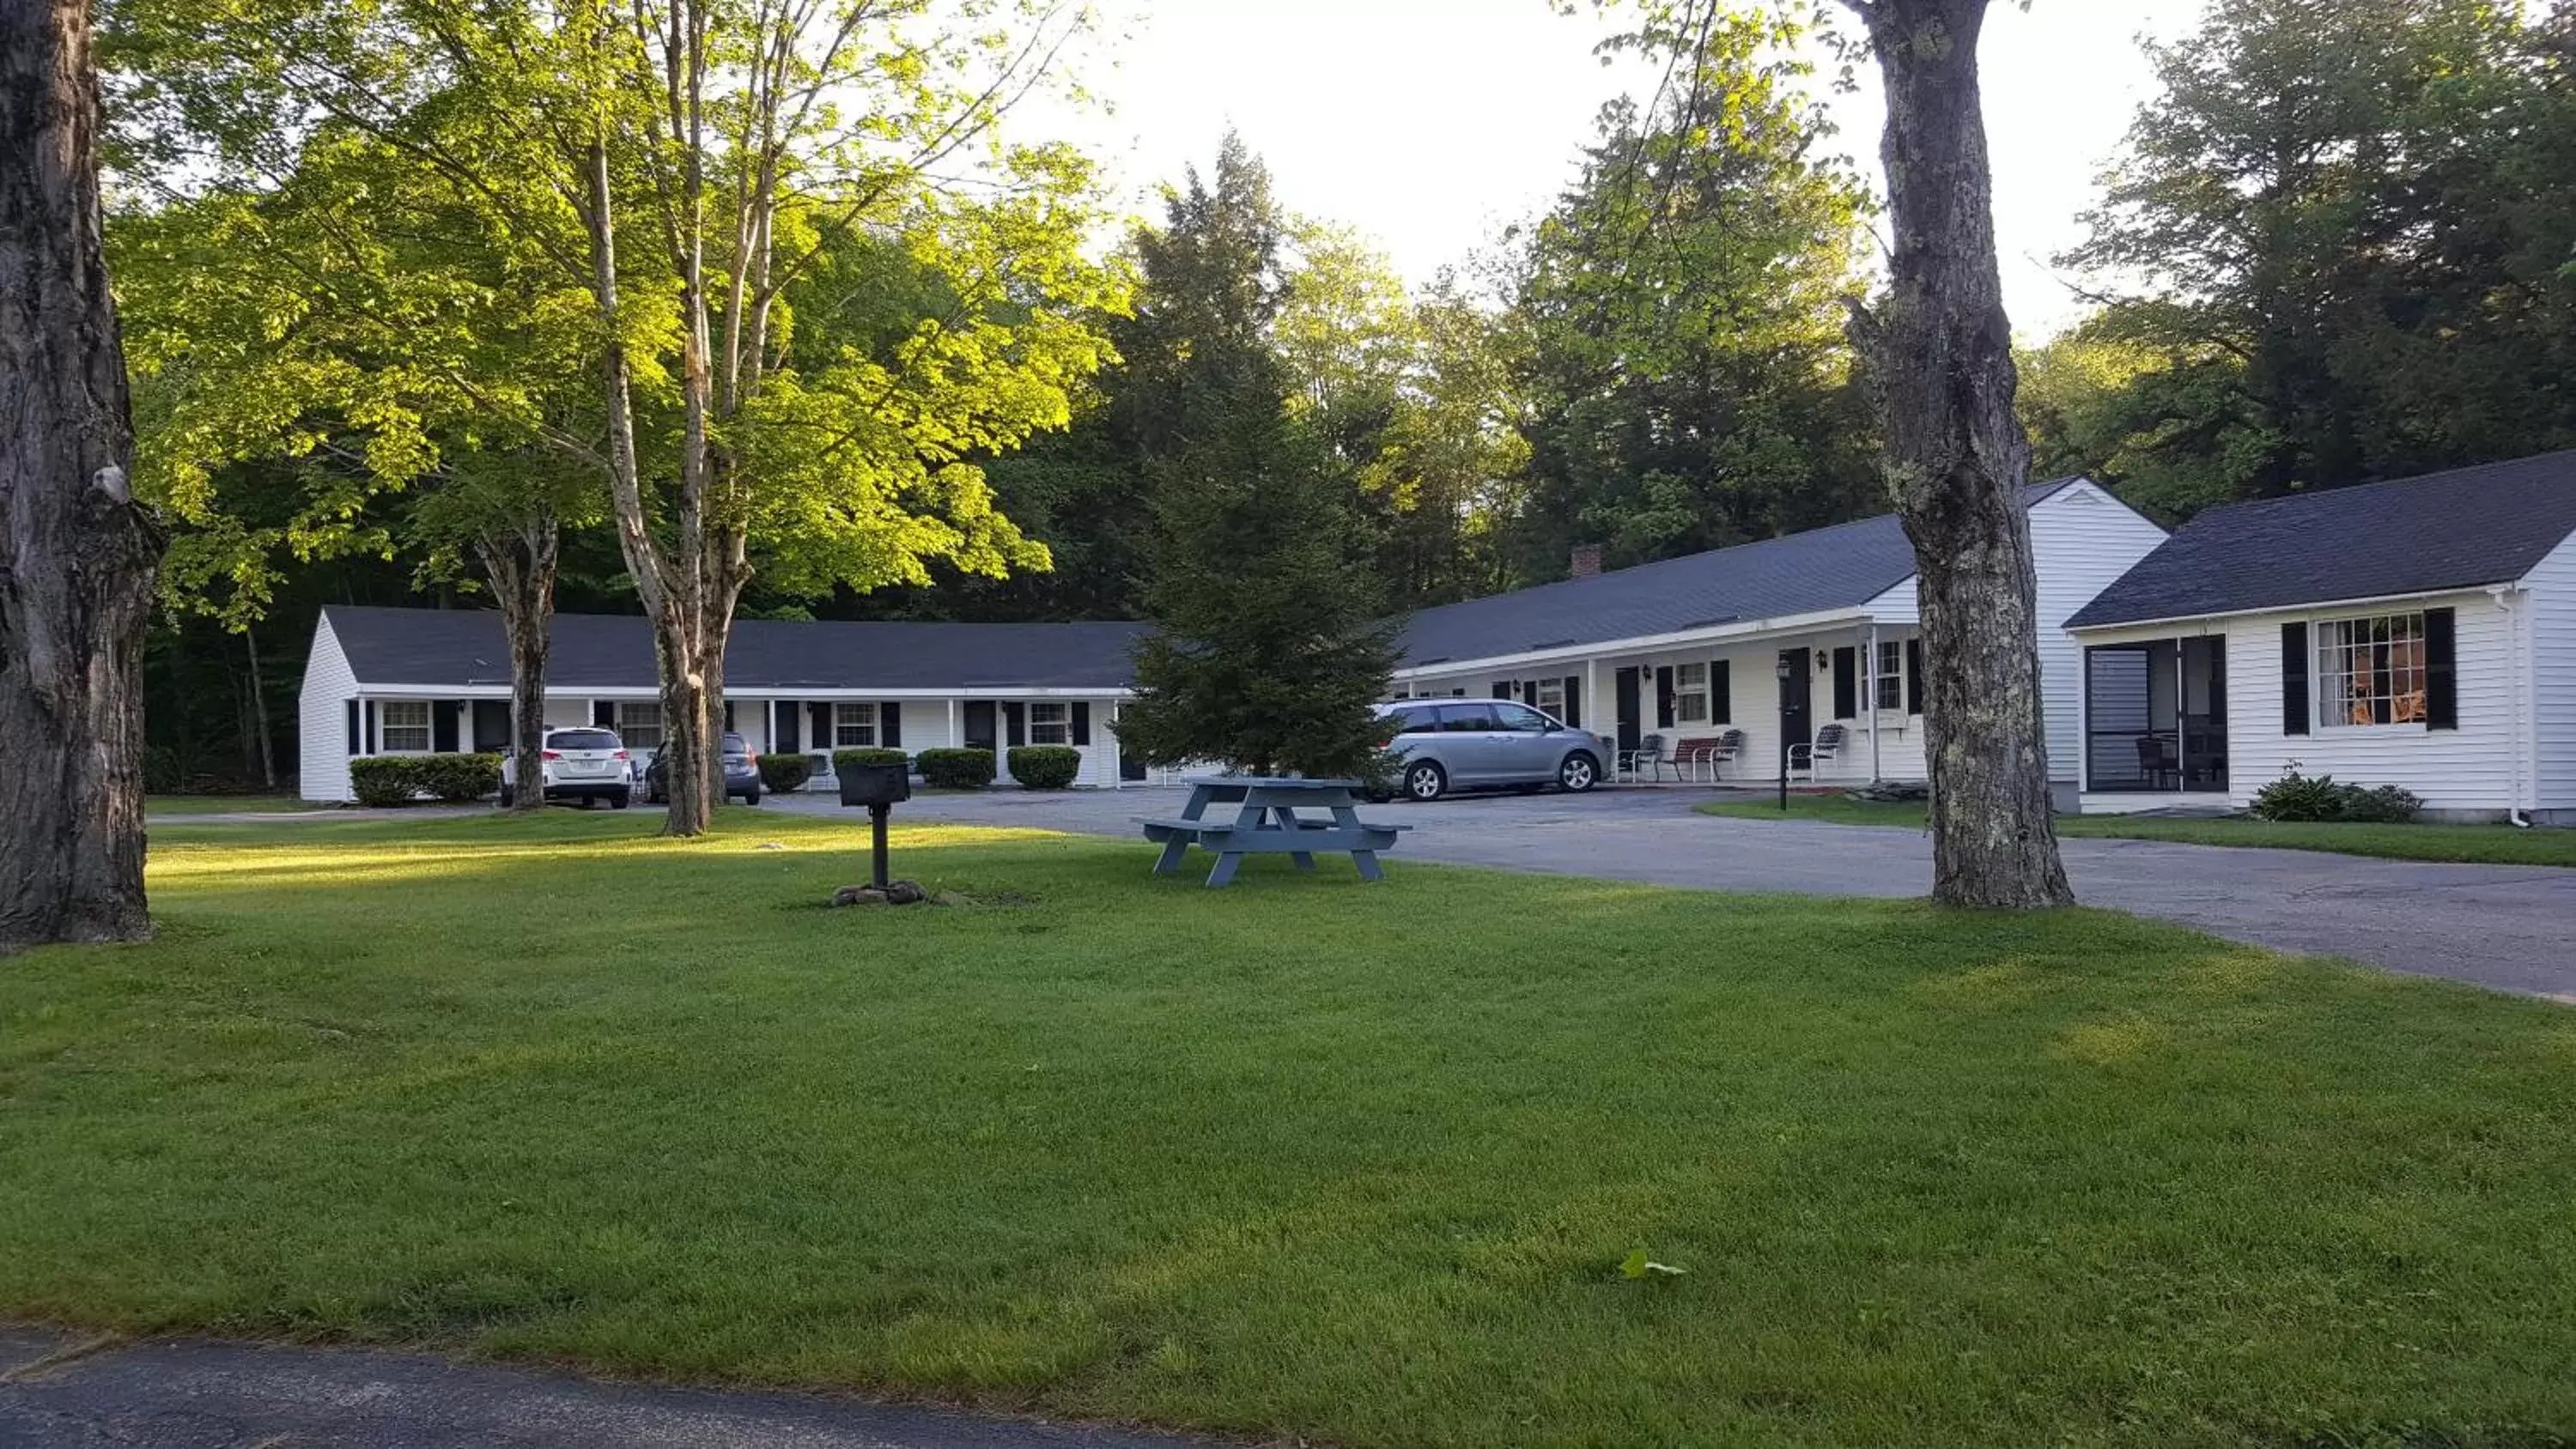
1782, 694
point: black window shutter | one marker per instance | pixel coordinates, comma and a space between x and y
603, 713
371, 726
785, 741
729, 714
1502, 689
1721, 691
890, 725
1846, 683
1914, 675
356, 740
1663, 696
826, 739
2441, 670
442, 726
2294, 679
1081, 723
1574, 700
1015, 723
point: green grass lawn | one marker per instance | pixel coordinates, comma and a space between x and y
2487, 844
1303, 1157
224, 804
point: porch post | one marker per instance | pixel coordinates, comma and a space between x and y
953, 741
1592, 695
1869, 698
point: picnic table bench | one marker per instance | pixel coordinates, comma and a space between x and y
1265, 822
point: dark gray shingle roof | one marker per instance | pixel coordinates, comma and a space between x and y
615, 651
2456, 530
1840, 567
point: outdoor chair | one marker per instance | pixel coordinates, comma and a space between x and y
1648, 755
1826, 748
2156, 761
1700, 757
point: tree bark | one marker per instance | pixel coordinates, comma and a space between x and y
77, 555
1956, 459
520, 563
259, 711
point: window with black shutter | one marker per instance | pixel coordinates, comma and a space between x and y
1081, 722
1721, 691
890, 725
356, 741
442, 726
1574, 700
1846, 683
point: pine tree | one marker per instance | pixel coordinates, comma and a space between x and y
1272, 647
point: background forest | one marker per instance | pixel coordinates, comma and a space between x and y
2334, 248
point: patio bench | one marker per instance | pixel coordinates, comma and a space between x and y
1708, 751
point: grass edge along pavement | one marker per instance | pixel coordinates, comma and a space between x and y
1305, 1157
2424, 841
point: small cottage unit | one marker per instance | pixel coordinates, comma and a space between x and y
2419, 633
1810, 639
415, 681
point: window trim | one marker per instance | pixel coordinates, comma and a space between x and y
1888, 681
618, 721
1063, 724
856, 715
385, 726
2332, 655
1684, 692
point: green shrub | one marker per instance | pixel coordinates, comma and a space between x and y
956, 769
386, 780
383, 781
1045, 767
784, 773
2297, 797
875, 756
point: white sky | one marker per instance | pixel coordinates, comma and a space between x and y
1428, 124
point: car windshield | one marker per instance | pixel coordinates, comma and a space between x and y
582, 740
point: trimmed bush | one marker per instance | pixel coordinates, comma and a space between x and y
388, 780
782, 773
2297, 797
1045, 767
956, 769
874, 756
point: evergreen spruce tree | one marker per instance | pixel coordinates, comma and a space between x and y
1272, 647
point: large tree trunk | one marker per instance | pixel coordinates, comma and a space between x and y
77, 554
521, 567
1956, 458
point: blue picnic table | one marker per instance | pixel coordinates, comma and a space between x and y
1265, 822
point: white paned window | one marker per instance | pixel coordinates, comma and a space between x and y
639, 724
1891, 674
1690, 694
854, 725
1551, 697
2370, 671
1050, 723
402, 727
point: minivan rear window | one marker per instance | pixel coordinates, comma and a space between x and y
582, 740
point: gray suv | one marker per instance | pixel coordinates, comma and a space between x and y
1465, 744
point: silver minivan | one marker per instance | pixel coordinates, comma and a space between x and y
1466, 744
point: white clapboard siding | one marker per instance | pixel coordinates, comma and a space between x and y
2469, 768
322, 719
2552, 602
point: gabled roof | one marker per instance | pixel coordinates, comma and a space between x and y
615, 651
1841, 567
2455, 530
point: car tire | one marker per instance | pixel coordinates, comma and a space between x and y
1424, 782
1579, 773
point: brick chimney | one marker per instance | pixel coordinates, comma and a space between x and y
1587, 560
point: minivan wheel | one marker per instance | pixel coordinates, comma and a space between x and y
1578, 774
620, 802
1424, 780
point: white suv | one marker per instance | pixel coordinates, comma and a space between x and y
580, 764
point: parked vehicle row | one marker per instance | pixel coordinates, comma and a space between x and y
588, 764
1458, 744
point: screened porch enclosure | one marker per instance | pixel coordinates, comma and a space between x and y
2155, 716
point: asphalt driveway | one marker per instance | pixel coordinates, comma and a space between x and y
2510, 927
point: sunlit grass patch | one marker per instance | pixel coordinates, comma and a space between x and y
1307, 1156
